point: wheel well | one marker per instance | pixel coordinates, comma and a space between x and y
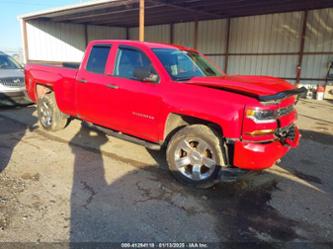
41, 90
176, 121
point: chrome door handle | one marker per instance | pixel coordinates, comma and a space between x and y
112, 86
83, 81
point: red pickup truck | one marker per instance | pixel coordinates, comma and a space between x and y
167, 96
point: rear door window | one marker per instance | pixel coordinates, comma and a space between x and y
98, 59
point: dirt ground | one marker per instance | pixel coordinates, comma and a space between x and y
77, 185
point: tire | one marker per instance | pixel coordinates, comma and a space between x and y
191, 147
49, 115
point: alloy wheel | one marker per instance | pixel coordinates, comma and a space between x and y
195, 159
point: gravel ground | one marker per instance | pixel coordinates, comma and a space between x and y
77, 185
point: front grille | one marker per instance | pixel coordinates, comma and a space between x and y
286, 132
292, 133
12, 82
286, 110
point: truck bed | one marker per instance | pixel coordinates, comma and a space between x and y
48, 75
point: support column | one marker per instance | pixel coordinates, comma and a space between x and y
172, 37
86, 38
127, 33
25, 41
227, 40
196, 33
301, 50
142, 21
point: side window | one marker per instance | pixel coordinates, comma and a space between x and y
98, 58
128, 60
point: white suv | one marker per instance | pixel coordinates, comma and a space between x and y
12, 86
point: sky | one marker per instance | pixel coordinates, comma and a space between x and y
10, 30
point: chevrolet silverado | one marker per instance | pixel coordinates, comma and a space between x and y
212, 125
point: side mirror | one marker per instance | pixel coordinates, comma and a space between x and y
144, 74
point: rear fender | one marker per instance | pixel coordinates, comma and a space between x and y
40, 82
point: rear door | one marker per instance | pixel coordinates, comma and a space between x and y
93, 101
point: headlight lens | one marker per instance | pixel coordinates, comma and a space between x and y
258, 115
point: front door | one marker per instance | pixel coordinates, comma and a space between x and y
137, 104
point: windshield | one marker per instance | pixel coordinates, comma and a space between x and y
184, 65
6, 62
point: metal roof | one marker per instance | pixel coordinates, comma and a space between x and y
124, 13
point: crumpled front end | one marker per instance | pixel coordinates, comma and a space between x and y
257, 156
269, 132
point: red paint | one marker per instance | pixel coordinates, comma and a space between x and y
142, 109
256, 85
256, 156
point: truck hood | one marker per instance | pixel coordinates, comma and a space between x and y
262, 87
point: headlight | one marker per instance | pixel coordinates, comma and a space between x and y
258, 115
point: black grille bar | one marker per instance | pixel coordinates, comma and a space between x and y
281, 95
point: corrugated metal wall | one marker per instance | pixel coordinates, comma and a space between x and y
319, 38
212, 40
269, 35
50, 41
103, 32
55, 41
249, 37
264, 45
158, 33
184, 34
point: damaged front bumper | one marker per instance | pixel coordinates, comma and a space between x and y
257, 156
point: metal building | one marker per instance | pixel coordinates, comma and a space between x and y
291, 39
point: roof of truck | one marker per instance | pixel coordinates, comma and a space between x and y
147, 44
